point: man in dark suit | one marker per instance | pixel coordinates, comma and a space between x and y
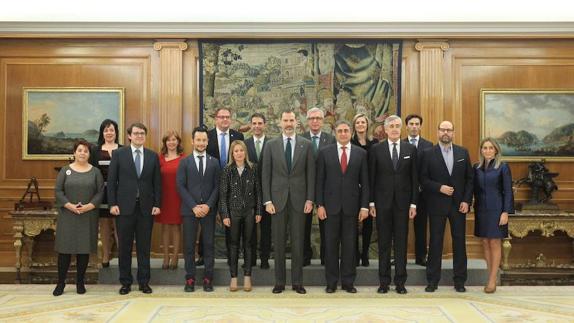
198, 186
288, 184
134, 196
319, 140
255, 146
394, 194
447, 179
414, 123
342, 198
219, 140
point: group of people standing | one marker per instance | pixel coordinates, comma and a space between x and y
349, 180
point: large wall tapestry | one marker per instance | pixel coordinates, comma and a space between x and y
343, 78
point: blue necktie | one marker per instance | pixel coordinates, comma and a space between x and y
222, 151
138, 162
414, 142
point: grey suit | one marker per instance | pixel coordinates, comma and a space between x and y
325, 140
288, 191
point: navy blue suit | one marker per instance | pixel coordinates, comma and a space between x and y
492, 196
195, 189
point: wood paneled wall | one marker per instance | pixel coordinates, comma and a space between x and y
441, 80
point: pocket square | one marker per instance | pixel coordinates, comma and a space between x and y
406, 157
458, 161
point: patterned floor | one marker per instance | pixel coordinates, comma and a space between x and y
34, 303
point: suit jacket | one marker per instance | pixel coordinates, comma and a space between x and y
422, 145
390, 186
278, 183
194, 189
237, 193
213, 145
434, 173
124, 184
324, 140
336, 191
252, 153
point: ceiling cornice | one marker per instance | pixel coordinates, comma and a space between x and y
286, 30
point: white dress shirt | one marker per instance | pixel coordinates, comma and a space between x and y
227, 143
141, 149
195, 154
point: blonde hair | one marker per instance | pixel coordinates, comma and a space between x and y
355, 118
497, 156
244, 147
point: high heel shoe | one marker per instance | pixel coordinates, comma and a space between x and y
489, 290
173, 264
80, 288
59, 290
105, 264
247, 283
165, 264
233, 284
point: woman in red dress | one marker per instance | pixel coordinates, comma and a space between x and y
170, 216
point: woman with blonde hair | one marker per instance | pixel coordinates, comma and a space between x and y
363, 139
493, 201
170, 216
240, 207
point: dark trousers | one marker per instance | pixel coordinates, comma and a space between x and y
340, 230
64, 260
264, 237
190, 223
288, 218
420, 228
242, 225
392, 228
138, 226
366, 233
307, 249
437, 223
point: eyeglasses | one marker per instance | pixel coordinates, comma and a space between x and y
223, 117
446, 130
138, 133
315, 118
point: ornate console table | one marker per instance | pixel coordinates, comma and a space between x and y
28, 224
547, 222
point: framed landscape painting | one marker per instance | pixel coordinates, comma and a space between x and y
54, 118
529, 125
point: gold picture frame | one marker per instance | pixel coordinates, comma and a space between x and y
529, 124
53, 118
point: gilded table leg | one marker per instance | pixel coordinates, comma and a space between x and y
506, 247
30, 246
18, 228
100, 251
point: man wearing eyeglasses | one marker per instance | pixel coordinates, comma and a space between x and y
319, 140
134, 195
219, 140
447, 180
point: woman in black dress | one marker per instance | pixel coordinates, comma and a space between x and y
363, 139
100, 157
240, 207
493, 201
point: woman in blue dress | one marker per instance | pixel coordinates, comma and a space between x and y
494, 200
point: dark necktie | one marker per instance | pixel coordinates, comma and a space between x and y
395, 156
138, 162
200, 157
315, 144
258, 148
288, 157
344, 160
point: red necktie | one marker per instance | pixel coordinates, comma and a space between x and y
344, 159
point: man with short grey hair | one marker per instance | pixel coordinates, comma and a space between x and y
319, 140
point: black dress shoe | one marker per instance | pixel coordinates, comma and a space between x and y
322, 262
350, 289
365, 262
264, 264
430, 288
421, 263
330, 289
59, 290
299, 289
105, 264
459, 288
383, 289
306, 262
199, 262
207, 285
401, 289
144, 288
125, 289
189, 286
278, 289
80, 288
393, 262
